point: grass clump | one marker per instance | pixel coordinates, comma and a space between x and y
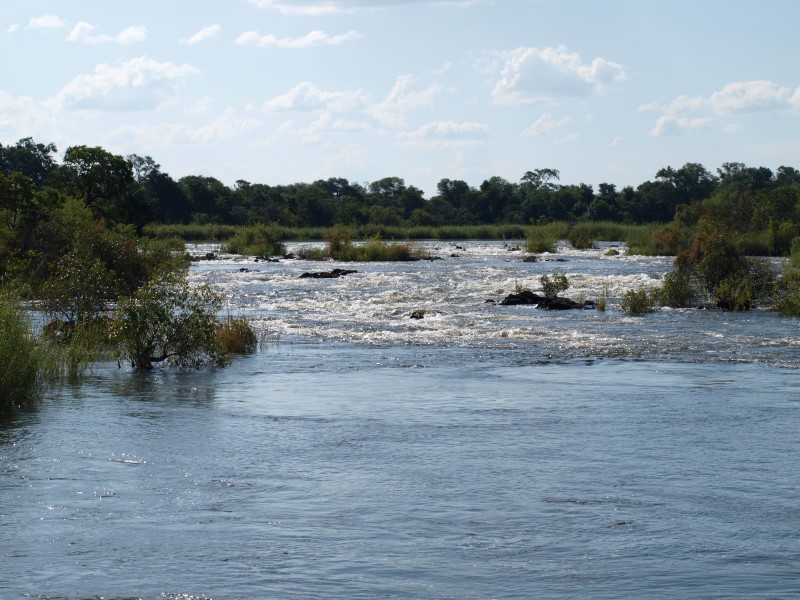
538, 243
258, 240
236, 335
21, 358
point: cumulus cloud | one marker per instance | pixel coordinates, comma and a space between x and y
13, 28
84, 32
686, 113
532, 76
545, 124
46, 22
137, 84
206, 33
313, 38
307, 97
391, 111
446, 134
317, 8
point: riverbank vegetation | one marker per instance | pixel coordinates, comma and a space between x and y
95, 242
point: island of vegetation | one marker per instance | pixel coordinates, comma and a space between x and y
95, 243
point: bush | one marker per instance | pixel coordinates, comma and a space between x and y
168, 320
553, 285
638, 301
677, 290
21, 358
236, 336
540, 243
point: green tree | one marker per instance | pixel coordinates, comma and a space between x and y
169, 320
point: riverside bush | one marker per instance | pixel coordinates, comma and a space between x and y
259, 240
638, 301
677, 290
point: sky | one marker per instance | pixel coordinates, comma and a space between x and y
286, 91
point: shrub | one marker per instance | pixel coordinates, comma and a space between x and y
169, 320
677, 290
236, 336
553, 285
21, 358
638, 301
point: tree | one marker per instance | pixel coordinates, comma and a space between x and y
169, 320
104, 181
33, 160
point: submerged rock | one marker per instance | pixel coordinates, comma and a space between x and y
328, 274
417, 314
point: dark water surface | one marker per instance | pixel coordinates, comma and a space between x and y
537, 456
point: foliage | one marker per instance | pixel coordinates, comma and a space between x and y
540, 243
677, 290
169, 320
339, 246
236, 335
258, 240
733, 280
21, 358
638, 301
553, 285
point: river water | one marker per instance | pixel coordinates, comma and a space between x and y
483, 451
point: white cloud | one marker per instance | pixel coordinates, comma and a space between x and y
667, 124
532, 76
307, 97
391, 111
316, 8
446, 134
313, 38
84, 32
13, 28
545, 124
616, 142
21, 116
752, 96
206, 33
686, 113
46, 22
137, 84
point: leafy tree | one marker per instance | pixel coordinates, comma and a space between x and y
33, 160
169, 320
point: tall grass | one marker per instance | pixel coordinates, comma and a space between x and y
339, 246
21, 358
259, 240
236, 335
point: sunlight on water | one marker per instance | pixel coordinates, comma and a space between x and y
482, 451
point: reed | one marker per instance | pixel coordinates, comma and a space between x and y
21, 358
259, 240
236, 335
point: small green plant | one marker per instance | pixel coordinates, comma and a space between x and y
638, 301
553, 285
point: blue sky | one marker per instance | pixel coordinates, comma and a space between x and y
283, 91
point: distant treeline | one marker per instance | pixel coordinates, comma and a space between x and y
135, 190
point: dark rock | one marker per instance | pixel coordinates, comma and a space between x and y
523, 297
417, 314
289, 256
530, 258
208, 256
527, 297
455, 255
244, 270
266, 259
327, 274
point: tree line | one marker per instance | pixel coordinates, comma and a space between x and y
135, 190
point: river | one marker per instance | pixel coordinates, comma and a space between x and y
483, 451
